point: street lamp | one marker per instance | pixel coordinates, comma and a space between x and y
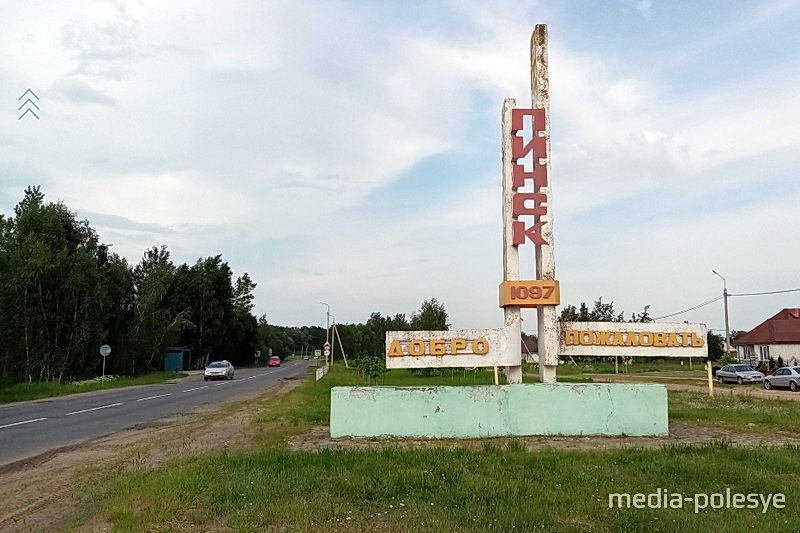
725, 298
334, 333
327, 327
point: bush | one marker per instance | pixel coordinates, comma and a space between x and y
98, 379
371, 367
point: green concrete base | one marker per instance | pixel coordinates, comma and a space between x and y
499, 411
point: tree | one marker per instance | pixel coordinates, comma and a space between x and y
716, 348
644, 316
601, 312
604, 312
158, 322
243, 294
572, 314
54, 290
431, 316
735, 334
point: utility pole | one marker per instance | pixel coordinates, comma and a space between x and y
725, 300
341, 346
327, 327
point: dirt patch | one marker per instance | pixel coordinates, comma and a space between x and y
43, 492
679, 433
735, 390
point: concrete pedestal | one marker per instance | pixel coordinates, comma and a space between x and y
500, 410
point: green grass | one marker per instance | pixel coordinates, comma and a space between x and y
455, 487
18, 392
452, 489
443, 376
747, 414
641, 364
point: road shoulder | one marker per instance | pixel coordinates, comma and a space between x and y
48, 492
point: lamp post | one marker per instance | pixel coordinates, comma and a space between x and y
334, 333
725, 299
327, 326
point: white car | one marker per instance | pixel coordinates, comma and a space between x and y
739, 374
218, 370
785, 377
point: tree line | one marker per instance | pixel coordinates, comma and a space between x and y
63, 294
358, 339
604, 312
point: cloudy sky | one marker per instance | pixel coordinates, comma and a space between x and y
349, 151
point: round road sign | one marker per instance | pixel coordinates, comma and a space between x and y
105, 350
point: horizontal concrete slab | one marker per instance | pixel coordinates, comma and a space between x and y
500, 410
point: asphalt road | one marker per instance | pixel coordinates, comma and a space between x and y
30, 428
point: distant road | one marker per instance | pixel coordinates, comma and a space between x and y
31, 428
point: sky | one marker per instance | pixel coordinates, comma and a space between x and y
348, 151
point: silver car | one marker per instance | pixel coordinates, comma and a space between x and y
787, 377
739, 374
218, 370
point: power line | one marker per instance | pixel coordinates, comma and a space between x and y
763, 293
698, 306
718, 298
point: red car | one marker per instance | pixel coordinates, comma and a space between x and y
274, 361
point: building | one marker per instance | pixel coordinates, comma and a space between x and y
529, 348
177, 358
778, 336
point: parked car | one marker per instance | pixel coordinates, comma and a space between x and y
274, 361
787, 377
739, 374
219, 370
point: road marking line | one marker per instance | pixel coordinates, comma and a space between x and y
222, 383
93, 409
23, 422
196, 388
154, 397
251, 377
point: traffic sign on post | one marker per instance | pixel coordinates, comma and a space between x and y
104, 351
327, 346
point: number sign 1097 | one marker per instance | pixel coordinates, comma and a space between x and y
522, 293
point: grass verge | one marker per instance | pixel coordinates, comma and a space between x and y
748, 414
19, 392
456, 488
453, 489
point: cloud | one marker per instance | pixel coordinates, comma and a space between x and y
644, 7
116, 222
353, 151
78, 91
105, 43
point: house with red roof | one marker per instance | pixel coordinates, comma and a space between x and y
778, 336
